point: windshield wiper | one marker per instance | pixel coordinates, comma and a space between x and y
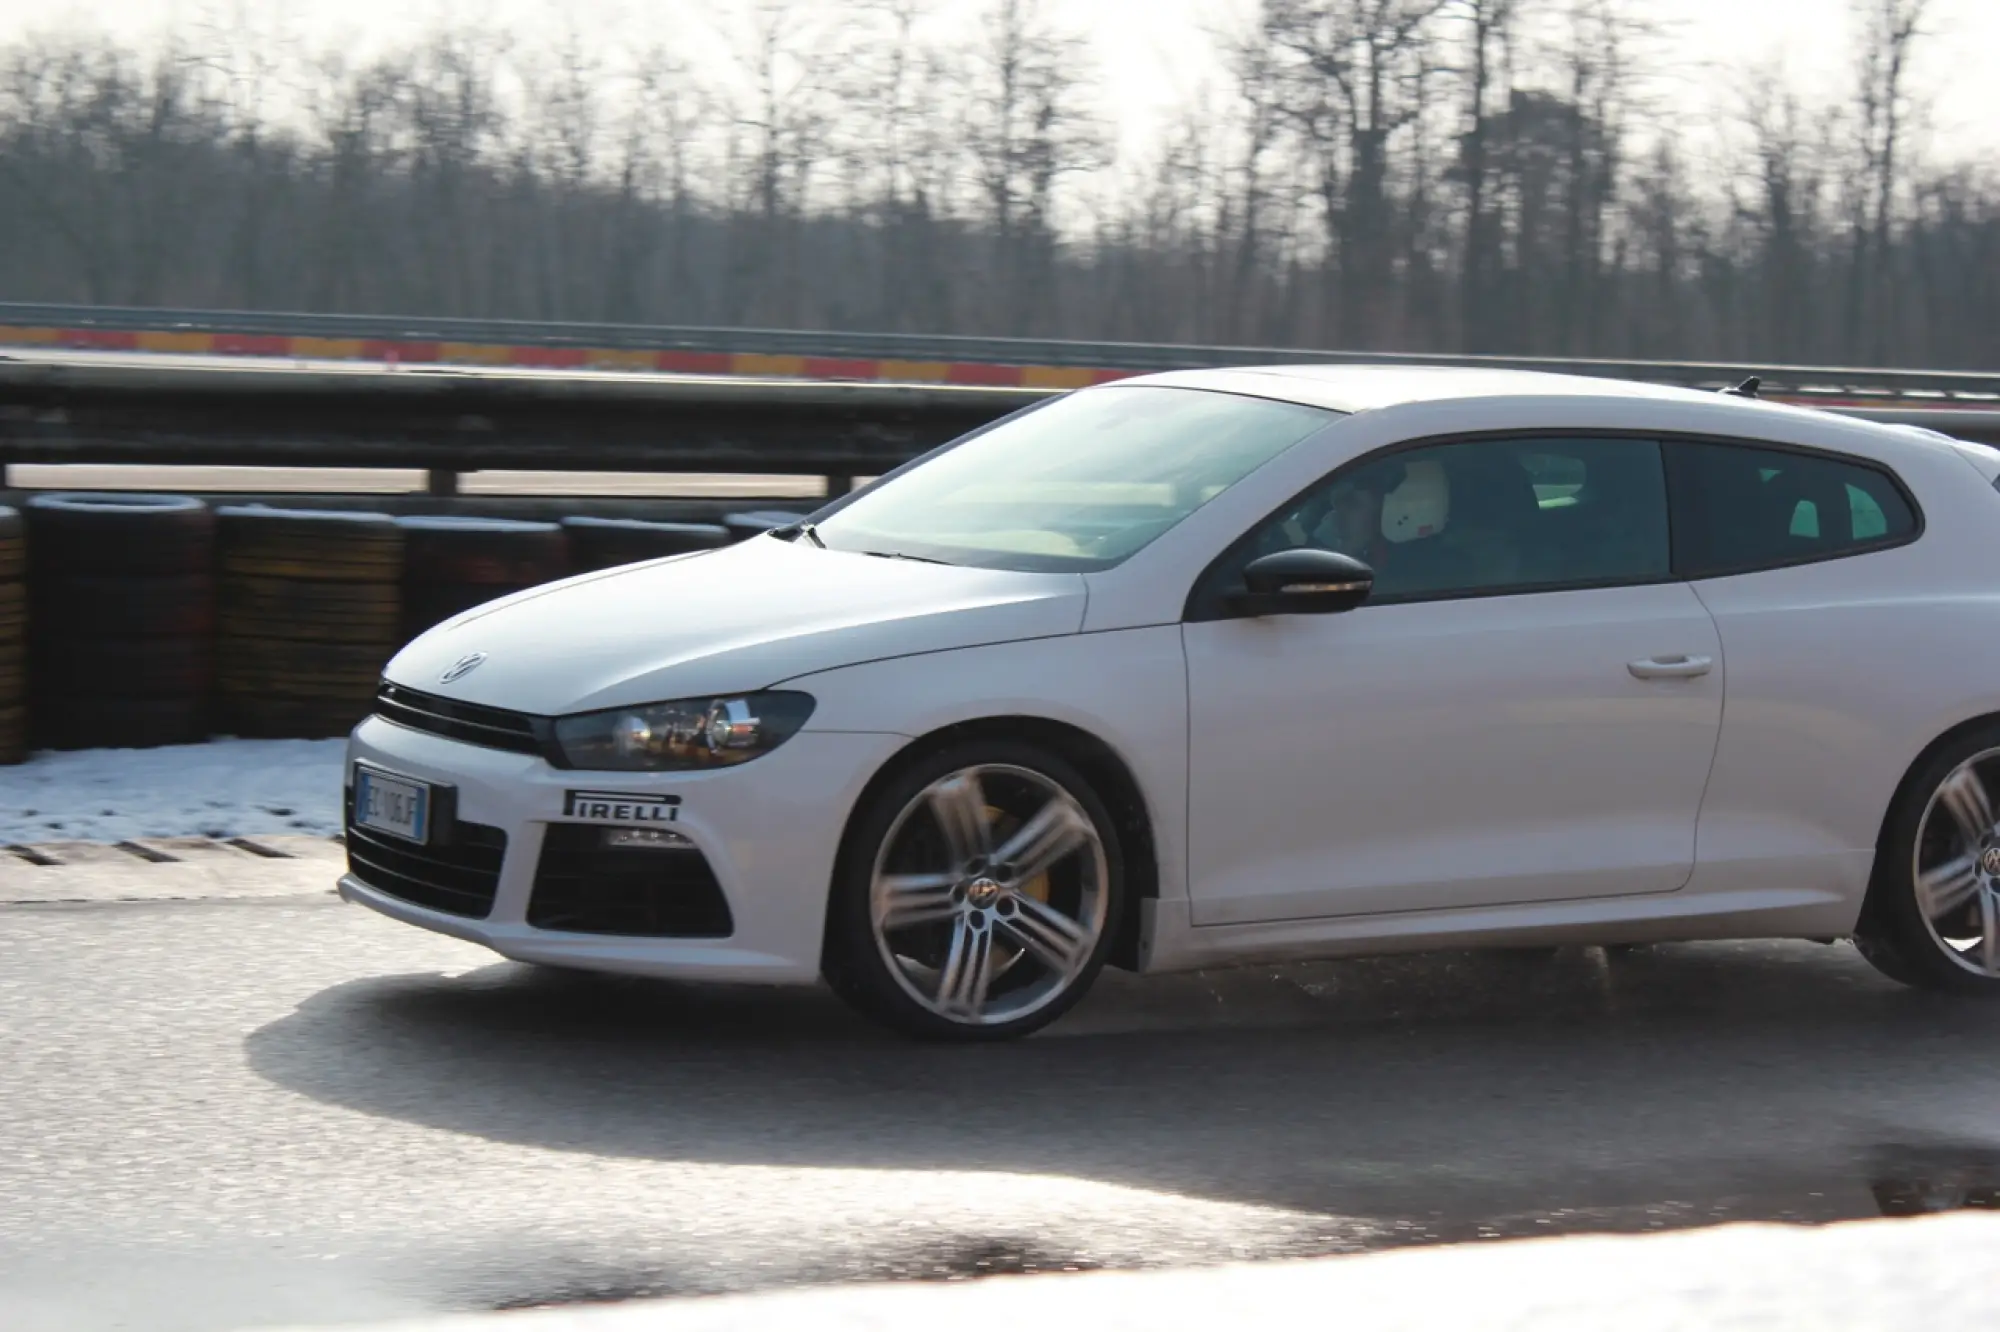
900, 555
806, 530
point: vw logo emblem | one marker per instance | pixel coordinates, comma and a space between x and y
461, 668
1989, 862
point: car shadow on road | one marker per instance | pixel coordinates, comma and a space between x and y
1442, 1097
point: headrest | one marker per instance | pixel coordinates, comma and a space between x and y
1420, 506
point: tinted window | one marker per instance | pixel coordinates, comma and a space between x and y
1485, 516
1738, 508
1077, 485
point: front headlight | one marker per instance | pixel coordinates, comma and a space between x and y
688, 733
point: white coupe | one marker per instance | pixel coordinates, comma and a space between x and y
1215, 667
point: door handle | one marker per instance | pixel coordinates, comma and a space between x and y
1670, 668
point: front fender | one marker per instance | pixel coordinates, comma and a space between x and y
1126, 688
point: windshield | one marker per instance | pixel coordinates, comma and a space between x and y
1077, 485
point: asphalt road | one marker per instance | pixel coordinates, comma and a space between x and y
228, 1113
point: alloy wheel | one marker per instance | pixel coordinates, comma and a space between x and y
1957, 869
989, 894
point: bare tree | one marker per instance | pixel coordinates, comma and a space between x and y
1355, 67
1388, 173
903, 152
1028, 126
654, 204
1487, 80
1889, 31
458, 132
782, 134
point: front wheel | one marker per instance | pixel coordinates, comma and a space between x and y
1932, 919
976, 896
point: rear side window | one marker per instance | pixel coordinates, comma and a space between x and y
1738, 508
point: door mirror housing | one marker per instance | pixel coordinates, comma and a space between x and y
1305, 581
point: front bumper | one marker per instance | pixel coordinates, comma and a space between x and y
769, 829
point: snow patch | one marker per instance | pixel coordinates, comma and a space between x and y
225, 788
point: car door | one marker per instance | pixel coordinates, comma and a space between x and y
1525, 710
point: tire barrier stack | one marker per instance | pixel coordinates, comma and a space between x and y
122, 598
159, 621
607, 543
13, 638
453, 564
311, 611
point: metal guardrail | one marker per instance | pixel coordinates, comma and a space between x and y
991, 362
331, 392
84, 408
206, 411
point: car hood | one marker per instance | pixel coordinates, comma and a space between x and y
725, 621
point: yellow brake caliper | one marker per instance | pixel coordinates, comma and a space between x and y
1037, 887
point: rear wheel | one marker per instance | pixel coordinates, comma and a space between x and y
1932, 919
976, 897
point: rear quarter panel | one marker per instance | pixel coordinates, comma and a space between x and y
1839, 674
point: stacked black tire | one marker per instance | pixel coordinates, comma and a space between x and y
13, 638
608, 543
121, 592
452, 564
311, 611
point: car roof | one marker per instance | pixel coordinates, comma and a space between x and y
1350, 389
1360, 388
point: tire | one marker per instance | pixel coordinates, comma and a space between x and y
263, 717
608, 543
1944, 833
13, 672
329, 563
97, 607
73, 721
310, 545
483, 551
13, 612
13, 545
13, 735
136, 535
278, 659
896, 832
129, 668
310, 611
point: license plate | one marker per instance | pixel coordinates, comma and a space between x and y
393, 805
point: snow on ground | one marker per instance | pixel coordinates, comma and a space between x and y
226, 788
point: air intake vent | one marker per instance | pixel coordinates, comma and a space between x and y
489, 728
459, 876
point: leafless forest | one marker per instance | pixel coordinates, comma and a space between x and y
1432, 175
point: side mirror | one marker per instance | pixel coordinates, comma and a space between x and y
1303, 582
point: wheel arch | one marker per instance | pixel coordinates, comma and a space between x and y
1904, 784
1103, 765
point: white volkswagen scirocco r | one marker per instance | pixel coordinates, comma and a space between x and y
1226, 666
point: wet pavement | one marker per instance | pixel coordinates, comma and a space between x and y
238, 1112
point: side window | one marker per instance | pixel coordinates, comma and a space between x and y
1481, 517
1738, 508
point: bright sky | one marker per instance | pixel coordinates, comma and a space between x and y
1151, 52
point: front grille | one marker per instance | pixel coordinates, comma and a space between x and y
457, 874
585, 887
490, 728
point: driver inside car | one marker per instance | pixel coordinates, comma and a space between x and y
1384, 514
